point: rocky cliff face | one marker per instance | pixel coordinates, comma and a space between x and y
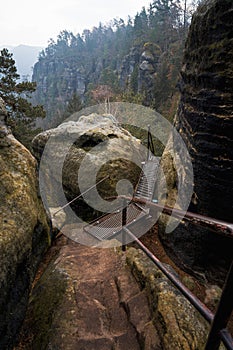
205, 116
58, 79
205, 121
138, 71
24, 231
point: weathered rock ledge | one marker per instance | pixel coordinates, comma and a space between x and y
98, 146
88, 298
178, 324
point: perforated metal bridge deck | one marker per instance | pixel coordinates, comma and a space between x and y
146, 184
110, 225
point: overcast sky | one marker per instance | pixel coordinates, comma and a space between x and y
35, 22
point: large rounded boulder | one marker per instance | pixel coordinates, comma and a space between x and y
77, 155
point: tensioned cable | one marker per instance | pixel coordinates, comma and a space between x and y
80, 195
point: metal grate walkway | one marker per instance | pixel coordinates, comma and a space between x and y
110, 225
146, 184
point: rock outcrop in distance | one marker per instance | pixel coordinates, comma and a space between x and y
24, 231
57, 79
205, 122
138, 61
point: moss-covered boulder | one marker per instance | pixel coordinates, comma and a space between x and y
86, 151
24, 231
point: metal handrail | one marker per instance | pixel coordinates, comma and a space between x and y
204, 311
220, 319
218, 329
150, 144
218, 226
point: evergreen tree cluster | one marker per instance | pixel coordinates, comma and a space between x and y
95, 58
16, 95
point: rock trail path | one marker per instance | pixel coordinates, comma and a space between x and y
111, 311
103, 307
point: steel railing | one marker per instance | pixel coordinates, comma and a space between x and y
220, 319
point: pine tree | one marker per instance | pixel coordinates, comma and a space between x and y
74, 105
141, 25
21, 113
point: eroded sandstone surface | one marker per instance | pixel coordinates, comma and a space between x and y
205, 122
98, 146
24, 231
94, 298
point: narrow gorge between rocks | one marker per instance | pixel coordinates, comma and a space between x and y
65, 288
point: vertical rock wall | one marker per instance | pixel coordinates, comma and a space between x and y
205, 121
205, 116
24, 231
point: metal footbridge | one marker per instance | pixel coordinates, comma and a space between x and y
110, 225
130, 215
133, 217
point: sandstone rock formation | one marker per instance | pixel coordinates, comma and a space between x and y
73, 80
128, 66
58, 77
205, 121
88, 298
99, 146
139, 68
3, 113
179, 325
24, 231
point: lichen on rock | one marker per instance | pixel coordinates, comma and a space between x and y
24, 231
99, 147
179, 325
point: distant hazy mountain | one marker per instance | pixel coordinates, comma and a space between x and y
25, 57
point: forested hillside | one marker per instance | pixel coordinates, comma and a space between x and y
138, 61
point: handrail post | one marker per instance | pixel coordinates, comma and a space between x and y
150, 145
222, 315
124, 221
148, 142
